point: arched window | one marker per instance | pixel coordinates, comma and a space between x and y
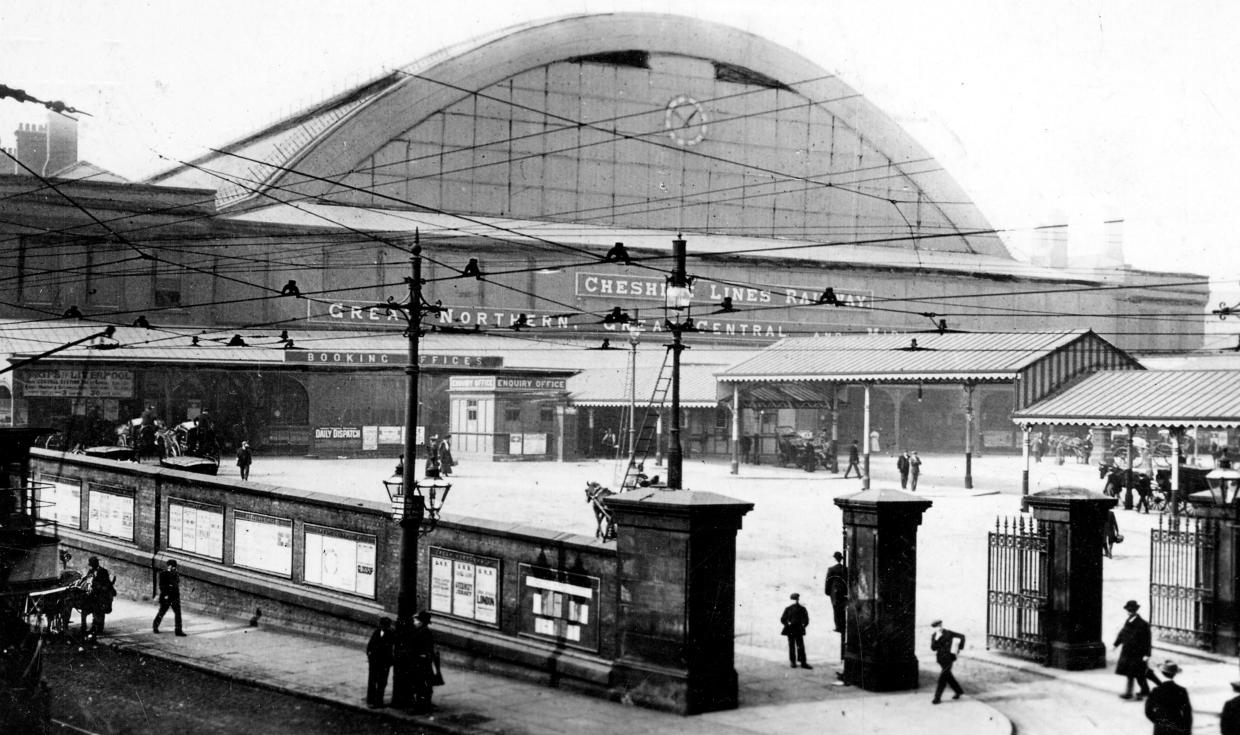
6, 406
287, 401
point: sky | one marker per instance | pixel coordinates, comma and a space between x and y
1046, 113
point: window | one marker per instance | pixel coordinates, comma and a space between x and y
471, 410
167, 287
546, 414
512, 414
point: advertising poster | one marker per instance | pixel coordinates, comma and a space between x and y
463, 588
197, 529
110, 514
340, 559
60, 500
441, 584
263, 542
465, 585
560, 606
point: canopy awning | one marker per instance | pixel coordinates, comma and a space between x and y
1149, 398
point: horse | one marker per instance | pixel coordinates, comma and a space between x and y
605, 527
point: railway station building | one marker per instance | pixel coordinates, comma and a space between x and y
544, 170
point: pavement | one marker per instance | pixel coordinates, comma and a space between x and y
774, 697
1004, 695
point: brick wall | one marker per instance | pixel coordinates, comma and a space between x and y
218, 584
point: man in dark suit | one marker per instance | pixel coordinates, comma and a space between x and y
854, 460
100, 592
1134, 656
944, 644
795, 620
837, 590
902, 464
1229, 718
1168, 706
379, 658
169, 596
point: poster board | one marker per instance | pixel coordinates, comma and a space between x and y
340, 560
110, 511
559, 606
264, 543
59, 499
465, 585
196, 528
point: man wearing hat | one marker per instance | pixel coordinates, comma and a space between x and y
426, 674
1229, 718
379, 651
795, 620
837, 590
1168, 706
1134, 655
943, 643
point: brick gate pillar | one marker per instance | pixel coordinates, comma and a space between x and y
1074, 520
880, 540
677, 608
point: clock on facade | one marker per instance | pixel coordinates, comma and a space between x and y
685, 120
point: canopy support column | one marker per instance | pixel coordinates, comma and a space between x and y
865, 432
1026, 430
968, 436
736, 428
1175, 472
1128, 475
658, 438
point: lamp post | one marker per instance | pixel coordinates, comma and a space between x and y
409, 504
634, 333
677, 302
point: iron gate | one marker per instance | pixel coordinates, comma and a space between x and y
1017, 591
1183, 574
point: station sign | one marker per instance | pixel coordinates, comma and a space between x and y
357, 358
651, 288
503, 384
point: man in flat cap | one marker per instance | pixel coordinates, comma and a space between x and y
795, 620
1134, 655
1229, 718
1168, 706
944, 644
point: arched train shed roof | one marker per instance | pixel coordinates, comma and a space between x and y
626, 120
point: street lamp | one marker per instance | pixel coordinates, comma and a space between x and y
1224, 486
413, 510
677, 300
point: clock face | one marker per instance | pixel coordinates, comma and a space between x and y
685, 120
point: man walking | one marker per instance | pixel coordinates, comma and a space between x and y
244, 459
1134, 655
1168, 706
169, 597
854, 460
914, 471
837, 590
943, 643
902, 465
379, 659
795, 620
